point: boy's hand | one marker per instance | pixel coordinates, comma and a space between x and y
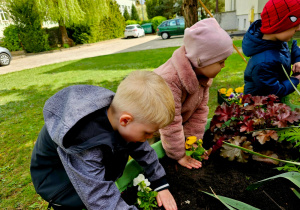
166, 199
296, 68
189, 162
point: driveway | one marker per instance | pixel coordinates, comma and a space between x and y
119, 45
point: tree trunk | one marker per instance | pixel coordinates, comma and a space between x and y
217, 6
64, 36
190, 12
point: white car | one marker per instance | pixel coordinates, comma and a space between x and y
134, 30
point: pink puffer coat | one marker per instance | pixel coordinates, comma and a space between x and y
191, 97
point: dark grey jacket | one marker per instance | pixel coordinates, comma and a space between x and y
92, 154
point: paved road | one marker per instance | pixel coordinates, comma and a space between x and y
90, 50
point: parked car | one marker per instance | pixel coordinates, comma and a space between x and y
5, 56
170, 28
134, 30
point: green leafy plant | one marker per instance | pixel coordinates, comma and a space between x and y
194, 148
231, 203
289, 167
146, 197
292, 176
66, 46
291, 134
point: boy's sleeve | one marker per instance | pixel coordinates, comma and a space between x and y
295, 52
195, 126
266, 79
86, 172
146, 156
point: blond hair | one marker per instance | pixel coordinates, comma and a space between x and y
147, 97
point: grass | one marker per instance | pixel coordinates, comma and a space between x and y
23, 94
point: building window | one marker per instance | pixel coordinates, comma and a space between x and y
3, 16
244, 23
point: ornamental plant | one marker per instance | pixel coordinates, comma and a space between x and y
194, 148
146, 198
232, 95
259, 125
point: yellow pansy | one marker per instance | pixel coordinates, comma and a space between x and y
222, 90
190, 141
239, 90
229, 91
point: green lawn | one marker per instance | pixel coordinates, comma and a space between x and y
23, 94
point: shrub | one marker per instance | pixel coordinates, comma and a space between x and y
130, 22
34, 40
80, 34
53, 36
11, 38
156, 21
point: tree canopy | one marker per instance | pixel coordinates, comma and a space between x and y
68, 12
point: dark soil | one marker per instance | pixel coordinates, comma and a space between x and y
229, 179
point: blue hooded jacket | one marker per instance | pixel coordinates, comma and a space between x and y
264, 74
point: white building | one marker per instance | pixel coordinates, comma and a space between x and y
125, 4
239, 14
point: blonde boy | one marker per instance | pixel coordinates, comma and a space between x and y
89, 133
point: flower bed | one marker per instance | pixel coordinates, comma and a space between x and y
260, 124
255, 125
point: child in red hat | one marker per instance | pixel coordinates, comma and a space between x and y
269, 44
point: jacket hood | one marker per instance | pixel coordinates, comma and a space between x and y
64, 109
253, 42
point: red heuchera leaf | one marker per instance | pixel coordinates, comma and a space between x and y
294, 117
259, 100
265, 135
272, 98
224, 112
260, 113
248, 126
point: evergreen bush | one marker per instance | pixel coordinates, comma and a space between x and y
126, 14
34, 40
156, 21
134, 13
11, 38
28, 21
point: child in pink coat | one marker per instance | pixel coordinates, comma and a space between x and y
189, 73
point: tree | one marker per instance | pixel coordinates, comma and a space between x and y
69, 12
134, 13
190, 12
27, 19
211, 5
126, 14
165, 8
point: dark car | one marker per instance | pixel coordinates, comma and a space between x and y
5, 56
170, 28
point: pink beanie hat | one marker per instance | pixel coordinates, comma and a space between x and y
206, 43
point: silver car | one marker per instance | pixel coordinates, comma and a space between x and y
134, 30
5, 56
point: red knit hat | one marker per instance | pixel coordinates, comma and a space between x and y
280, 15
